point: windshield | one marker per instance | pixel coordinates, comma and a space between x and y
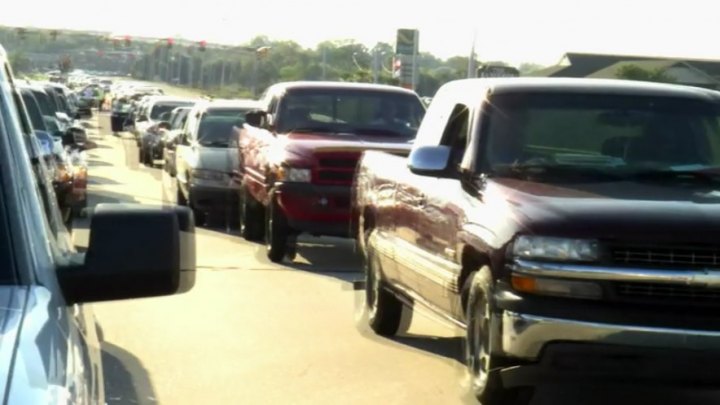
620, 133
366, 112
159, 108
33, 110
216, 126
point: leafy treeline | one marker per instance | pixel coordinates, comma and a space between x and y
226, 71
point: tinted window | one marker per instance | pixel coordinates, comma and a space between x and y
216, 126
369, 112
33, 110
43, 102
612, 131
160, 108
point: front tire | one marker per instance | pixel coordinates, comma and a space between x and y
384, 310
276, 233
481, 363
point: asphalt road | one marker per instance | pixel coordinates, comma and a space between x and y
254, 332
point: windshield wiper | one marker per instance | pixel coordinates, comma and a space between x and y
313, 129
378, 131
528, 169
669, 174
222, 144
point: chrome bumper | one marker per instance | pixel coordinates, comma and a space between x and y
525, 336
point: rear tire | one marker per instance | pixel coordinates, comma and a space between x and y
250, 217
291, 252
179, 196
276, 233
384, 310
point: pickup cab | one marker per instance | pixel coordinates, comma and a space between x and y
569, 226
297, 155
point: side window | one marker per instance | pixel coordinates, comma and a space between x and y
272, 106
455, 134
191, 124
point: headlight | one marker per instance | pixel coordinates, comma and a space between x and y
549, 248
294, 175
211, 175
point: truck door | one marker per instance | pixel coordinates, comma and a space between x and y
441, 218
427, 221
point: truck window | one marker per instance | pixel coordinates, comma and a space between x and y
339, 111
455, 134
611, 131
216, 126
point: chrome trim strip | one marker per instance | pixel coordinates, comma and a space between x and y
689, 277
524, 336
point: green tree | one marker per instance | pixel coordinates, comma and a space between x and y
20, 62
635, 72
527, 68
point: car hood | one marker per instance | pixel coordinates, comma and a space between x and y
667, 211
305, 144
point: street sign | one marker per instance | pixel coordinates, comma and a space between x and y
407, 42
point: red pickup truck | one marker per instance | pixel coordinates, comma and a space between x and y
570, 226
297, 155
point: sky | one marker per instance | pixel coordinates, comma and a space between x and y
514, 31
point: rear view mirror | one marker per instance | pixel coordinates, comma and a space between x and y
122, 263
430, 161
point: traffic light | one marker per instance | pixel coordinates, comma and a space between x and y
170, 42
202, 45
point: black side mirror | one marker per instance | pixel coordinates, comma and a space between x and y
142, 118
255, 118
121, 263
163, 125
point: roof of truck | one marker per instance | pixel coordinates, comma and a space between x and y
339, 85
581, 85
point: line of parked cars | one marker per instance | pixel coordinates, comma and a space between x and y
54, 116
568, 226
50, 348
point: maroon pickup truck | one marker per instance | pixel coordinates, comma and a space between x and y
297, 155
570, 226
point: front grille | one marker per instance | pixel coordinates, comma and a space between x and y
336, 168
335, 176
666, 256
668, 292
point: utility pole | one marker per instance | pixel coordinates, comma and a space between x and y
471, 60
201, 77
222, 74
376, 60
324, 62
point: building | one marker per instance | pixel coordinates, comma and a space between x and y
691, 72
